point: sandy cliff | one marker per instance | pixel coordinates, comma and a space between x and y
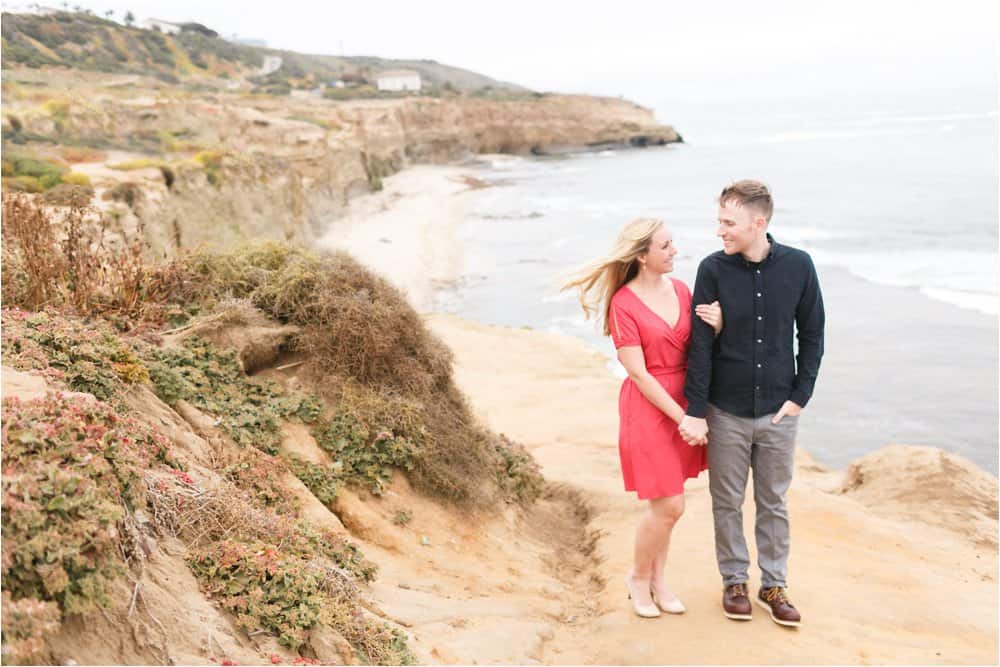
230, 167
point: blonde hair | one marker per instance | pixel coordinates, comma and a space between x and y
598, 281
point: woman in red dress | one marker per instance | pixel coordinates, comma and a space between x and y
648, 316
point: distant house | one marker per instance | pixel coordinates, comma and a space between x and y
166, 27
271, 64
398, 79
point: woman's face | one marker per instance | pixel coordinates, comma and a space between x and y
660, 256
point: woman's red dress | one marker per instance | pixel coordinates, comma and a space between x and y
655, 459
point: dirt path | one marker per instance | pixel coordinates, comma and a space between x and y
871, 589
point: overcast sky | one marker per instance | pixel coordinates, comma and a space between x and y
709, 50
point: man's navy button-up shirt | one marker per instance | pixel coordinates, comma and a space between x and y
750, 369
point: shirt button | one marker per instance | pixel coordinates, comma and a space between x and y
759, 340
758, 270
758, 293
759, 317
758, 365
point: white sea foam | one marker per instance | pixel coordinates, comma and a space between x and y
964, 278
984, 303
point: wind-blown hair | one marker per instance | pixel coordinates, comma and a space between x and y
598, 281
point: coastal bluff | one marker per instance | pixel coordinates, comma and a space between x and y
215, 168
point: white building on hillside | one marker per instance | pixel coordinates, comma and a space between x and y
398, 79
271, 64
166, 27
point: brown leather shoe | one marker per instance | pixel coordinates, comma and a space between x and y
779, 606
735, 603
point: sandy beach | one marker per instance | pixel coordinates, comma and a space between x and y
407, 231
880, 575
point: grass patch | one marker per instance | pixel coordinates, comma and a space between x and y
139, 163
47, 173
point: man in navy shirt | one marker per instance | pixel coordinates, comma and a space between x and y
746, 389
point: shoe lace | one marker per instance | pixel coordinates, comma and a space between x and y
776, 594
739, 591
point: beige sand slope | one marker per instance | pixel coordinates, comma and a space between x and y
900, 569
873, 587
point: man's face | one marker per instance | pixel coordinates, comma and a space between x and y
738, 228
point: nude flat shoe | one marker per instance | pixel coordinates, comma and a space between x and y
642, 610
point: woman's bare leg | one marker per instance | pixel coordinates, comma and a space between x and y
659, 583
651, 542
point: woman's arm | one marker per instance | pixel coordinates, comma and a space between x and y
634, 362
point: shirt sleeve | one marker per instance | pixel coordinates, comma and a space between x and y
624, 328
810, 320
699, 372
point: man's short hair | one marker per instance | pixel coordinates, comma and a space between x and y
750, 193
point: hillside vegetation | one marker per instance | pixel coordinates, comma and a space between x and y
93, 481
82, 41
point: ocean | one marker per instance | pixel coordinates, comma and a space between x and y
897, 192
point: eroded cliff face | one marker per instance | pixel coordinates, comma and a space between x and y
238, 167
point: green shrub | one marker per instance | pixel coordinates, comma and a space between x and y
48, 174
87, 357
260, 474
322, 480
369, 434
263, 588
26, 624
249, 411
278, 590
72, 469
372, 354
517, 472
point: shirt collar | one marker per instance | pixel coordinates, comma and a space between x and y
776, 250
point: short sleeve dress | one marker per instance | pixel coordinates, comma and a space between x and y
655, 459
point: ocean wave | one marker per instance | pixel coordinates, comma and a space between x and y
984, 303
963, 278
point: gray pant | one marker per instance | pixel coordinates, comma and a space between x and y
735, 445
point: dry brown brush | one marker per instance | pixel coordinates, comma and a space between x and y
72, 259
357, 330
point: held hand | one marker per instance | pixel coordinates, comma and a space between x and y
789, 409
711, 314
694, 430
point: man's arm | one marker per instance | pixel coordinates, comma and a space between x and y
809, 320
699, 372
